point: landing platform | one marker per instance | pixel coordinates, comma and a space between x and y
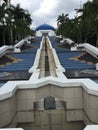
86, 73
14, 75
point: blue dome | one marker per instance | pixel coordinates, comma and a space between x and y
45, 27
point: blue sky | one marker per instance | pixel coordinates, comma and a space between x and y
47, 11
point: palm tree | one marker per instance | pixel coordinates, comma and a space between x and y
84, 27
61, 22
22, 21
95, 11
7, 2
18, 16
14, 22
89, 21
3, 20
10, 21
72, 29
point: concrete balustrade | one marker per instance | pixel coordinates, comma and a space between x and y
90, 49
17, 47
91, 127
11, 129
80, 105
3, 50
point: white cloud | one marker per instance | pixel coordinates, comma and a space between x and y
27, 4
48, 10
46, 7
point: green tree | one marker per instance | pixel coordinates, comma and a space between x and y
89, 22
3, 14
14, 22
22, 22
61, 23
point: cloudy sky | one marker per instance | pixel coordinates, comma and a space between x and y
47, 11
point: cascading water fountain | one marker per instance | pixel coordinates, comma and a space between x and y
46, 64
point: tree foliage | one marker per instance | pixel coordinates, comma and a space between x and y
84, 27
14, 23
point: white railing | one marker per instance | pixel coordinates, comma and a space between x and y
3, 50
91, 127
90, 49
19, 44
11, 129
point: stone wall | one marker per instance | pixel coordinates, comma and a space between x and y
8, 112
80, 106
